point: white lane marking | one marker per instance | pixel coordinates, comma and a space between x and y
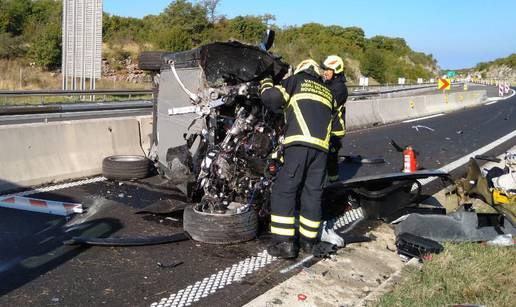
57, 187
235, 273
460, 162
423, 118
494, 100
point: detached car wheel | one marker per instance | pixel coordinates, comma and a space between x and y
220, 228
126, 167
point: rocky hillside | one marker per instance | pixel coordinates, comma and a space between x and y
502, 68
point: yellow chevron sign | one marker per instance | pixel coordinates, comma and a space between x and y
444, 84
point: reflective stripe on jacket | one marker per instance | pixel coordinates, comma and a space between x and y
308, 105
340, 92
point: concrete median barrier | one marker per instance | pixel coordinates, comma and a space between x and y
368, 113
34, 154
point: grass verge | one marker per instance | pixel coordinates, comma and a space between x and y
462, 274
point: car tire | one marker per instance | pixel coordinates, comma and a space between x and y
150, 60
220, 228
126, 167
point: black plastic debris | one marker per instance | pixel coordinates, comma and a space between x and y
323, 250
414, 246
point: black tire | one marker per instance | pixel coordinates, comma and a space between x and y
126, 167
220, 229
150, 60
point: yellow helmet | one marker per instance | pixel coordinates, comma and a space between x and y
308, 64
335, 63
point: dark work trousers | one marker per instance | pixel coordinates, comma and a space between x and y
333, 156
303, 175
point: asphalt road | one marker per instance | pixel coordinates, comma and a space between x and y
36, 269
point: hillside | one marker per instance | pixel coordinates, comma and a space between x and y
30, 36
502, 68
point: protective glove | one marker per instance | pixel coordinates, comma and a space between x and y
329, 235
266, 84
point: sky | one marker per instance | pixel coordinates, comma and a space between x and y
459, 33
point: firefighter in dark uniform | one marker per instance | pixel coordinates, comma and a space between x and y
308, 107
334, 78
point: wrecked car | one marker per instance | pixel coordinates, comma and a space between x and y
214, 137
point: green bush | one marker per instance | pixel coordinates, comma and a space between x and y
11, 47
46, 49
373, 65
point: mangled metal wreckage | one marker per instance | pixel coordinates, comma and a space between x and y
212, 131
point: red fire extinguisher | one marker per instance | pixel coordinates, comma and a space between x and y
409, 160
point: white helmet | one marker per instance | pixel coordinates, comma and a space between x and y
335, 63
308, 64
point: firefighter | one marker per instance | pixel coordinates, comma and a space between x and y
334, 78
308, 106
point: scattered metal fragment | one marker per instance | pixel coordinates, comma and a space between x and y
488, 158
170, 265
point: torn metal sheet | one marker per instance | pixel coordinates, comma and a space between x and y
40, 205
460, 226
360, 181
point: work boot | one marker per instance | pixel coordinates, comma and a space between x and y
306, 246
285, 250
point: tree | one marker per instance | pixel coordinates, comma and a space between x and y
11, 47
46, 49
248, 28
373, 65
211, 8
13, 14
182, 15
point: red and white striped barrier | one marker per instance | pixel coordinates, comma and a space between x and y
501, 90
507, 88
41, 206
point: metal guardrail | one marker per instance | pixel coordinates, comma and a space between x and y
71, 108
55, 93
56, 108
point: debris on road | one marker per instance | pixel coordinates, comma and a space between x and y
415, 246
170, 265
40, 206
134, 241
488, 158
301, 297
